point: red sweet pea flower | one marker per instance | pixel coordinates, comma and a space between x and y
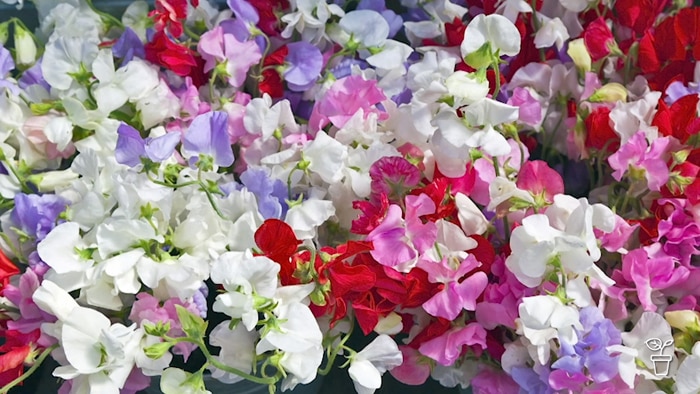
638, 15
169, 15
271, 82
540, 180
277, 241
599, 131
372, 214
680, 119
268, 11
599, 39
15, 351
7, 270
176, 57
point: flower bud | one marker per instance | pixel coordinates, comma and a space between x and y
579, 54
466, 88
610, 93
25, 48
48, 182
684, 320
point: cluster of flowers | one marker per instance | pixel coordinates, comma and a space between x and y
499, 194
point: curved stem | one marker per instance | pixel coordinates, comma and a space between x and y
219, 365
30, 371
335, 351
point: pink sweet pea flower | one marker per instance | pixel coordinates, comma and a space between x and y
397, 242
414, 371
650, 269
489, 381
447, 348
217, 47
344, 98
639, 154
540, 180
530, 109
455, 295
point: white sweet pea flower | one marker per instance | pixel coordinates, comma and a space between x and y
552, 31
237, 350
368, 366
304, 218
177, 277
263, 118
309, 19
68, 255
576, 5
102, 349
651, 326
543, 318
502, 190
511, 9
494, 32
326, 157
64, 56
364, 29
392, 57
687, 378
470, 216
466, 88
246, 279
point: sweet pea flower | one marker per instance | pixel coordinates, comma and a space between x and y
650, 325
131, 148
128, 46
640, 155
369, 364
345, 97
543, 318
228, 56
446, 348
207, 135
304, 63
363, 29
487, 36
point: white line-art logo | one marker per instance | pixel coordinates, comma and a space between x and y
661, 361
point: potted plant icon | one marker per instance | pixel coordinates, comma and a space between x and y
661, 361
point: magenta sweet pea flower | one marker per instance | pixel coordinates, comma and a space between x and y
639, 154
650, 269
447, 348
457, 294
344, 98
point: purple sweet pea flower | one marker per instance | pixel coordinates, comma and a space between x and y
7, 65
344, 67
131, 147
270, 193
676, 90
128, 46
305, 64
36, 214
33, 76
6, 62
590, 351
207, 135
244, 11
531, 382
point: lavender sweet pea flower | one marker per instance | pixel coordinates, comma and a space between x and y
6, 62
305, 63
591, 350
128, 46
36, 214
131, 147
676, 90
244, 11
7, 65
207, 135
33, 76
270, 193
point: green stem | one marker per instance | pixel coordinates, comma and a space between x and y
30, 371
219, 365
191, 34
105, 16
335, 351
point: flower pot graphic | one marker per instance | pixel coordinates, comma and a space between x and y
661, 363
